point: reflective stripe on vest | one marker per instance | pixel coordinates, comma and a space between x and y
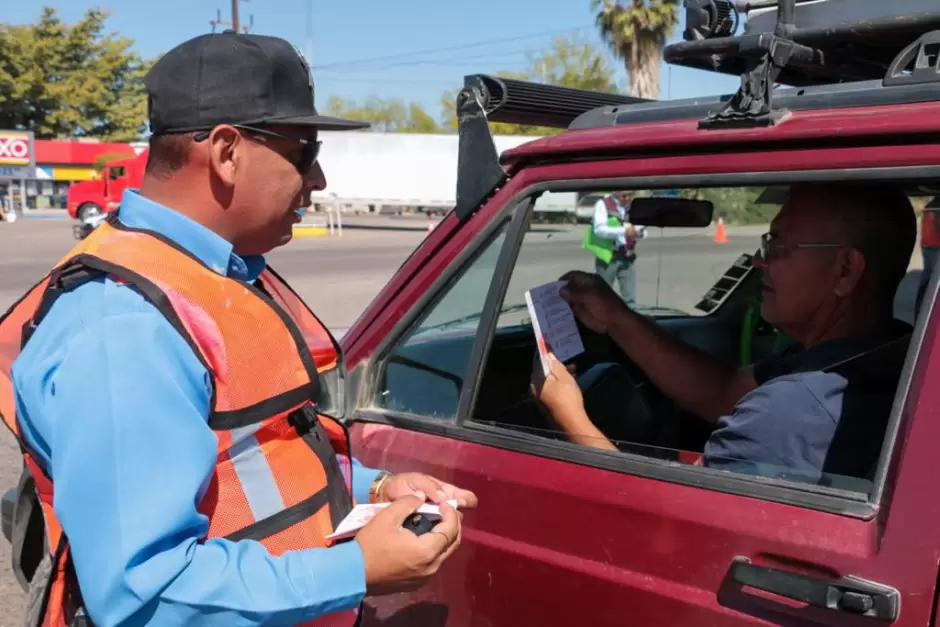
271, 363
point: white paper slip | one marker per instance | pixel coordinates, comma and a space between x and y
554, 323
360, 516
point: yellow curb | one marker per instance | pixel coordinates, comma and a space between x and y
301, 230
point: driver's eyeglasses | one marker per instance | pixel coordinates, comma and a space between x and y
310, 149
770, 249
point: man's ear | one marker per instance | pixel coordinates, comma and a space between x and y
225, 148
851, 270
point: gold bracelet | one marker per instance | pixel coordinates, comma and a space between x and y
375, 492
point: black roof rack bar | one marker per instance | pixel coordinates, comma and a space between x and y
745, 45
535, 104
838, 96
858, 39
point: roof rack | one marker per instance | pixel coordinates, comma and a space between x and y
838, 53
827, 47
856, 40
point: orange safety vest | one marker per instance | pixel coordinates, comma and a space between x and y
275, 372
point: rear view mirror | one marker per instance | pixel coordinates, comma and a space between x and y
671, 212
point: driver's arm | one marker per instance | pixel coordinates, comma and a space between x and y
700, 383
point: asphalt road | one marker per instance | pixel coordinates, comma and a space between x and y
339, 277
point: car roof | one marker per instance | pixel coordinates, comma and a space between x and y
838, 112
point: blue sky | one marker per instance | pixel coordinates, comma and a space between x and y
412, 50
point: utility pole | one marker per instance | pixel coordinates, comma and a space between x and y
309, 43
235, 15
235, 23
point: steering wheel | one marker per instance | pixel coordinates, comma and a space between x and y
617, 405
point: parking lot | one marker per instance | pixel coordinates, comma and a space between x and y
339, 277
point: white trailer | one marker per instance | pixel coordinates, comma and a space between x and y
402, 172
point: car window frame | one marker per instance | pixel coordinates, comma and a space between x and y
369, 380
461, 427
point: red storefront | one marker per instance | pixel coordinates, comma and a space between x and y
58, 164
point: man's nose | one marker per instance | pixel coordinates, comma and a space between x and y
315, 180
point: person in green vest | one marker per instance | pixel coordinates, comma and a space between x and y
612, 240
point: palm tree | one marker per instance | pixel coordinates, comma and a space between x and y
636, 31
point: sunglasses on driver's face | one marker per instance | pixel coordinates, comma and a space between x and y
310, 149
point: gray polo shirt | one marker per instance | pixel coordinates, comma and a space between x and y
808, 422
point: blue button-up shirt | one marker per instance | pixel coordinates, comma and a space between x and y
116, 405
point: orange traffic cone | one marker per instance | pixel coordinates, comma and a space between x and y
721, 236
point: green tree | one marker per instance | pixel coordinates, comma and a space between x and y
568, 63
636, 31
386, 116
61, 80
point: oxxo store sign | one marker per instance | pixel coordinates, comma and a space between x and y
17, 155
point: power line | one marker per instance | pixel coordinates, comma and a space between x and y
442, 62
368, 60
338, 79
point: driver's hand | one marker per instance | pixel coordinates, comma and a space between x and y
593, 301
559, 394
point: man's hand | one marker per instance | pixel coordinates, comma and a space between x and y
631, 232
408, 483
396, 560
560, 395
594, 303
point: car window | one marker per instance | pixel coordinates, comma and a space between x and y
669, 271
699, 283
703, 286
420, 378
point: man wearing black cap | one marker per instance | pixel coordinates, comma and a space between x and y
144, 390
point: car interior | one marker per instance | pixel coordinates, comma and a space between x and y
620, 400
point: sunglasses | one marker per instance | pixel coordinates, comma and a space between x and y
770, 250
310, 149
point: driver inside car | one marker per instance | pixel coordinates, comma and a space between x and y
831, 263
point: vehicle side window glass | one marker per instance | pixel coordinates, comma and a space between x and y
705, 285
425, 372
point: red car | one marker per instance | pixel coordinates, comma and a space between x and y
438, 366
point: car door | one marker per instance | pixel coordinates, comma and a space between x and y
571, 536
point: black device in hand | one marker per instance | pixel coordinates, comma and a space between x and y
419, 524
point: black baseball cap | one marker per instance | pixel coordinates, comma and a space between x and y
232, 78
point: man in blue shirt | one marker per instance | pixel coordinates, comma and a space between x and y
831, 263
114, 402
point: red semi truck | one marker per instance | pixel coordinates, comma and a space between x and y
88, 199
